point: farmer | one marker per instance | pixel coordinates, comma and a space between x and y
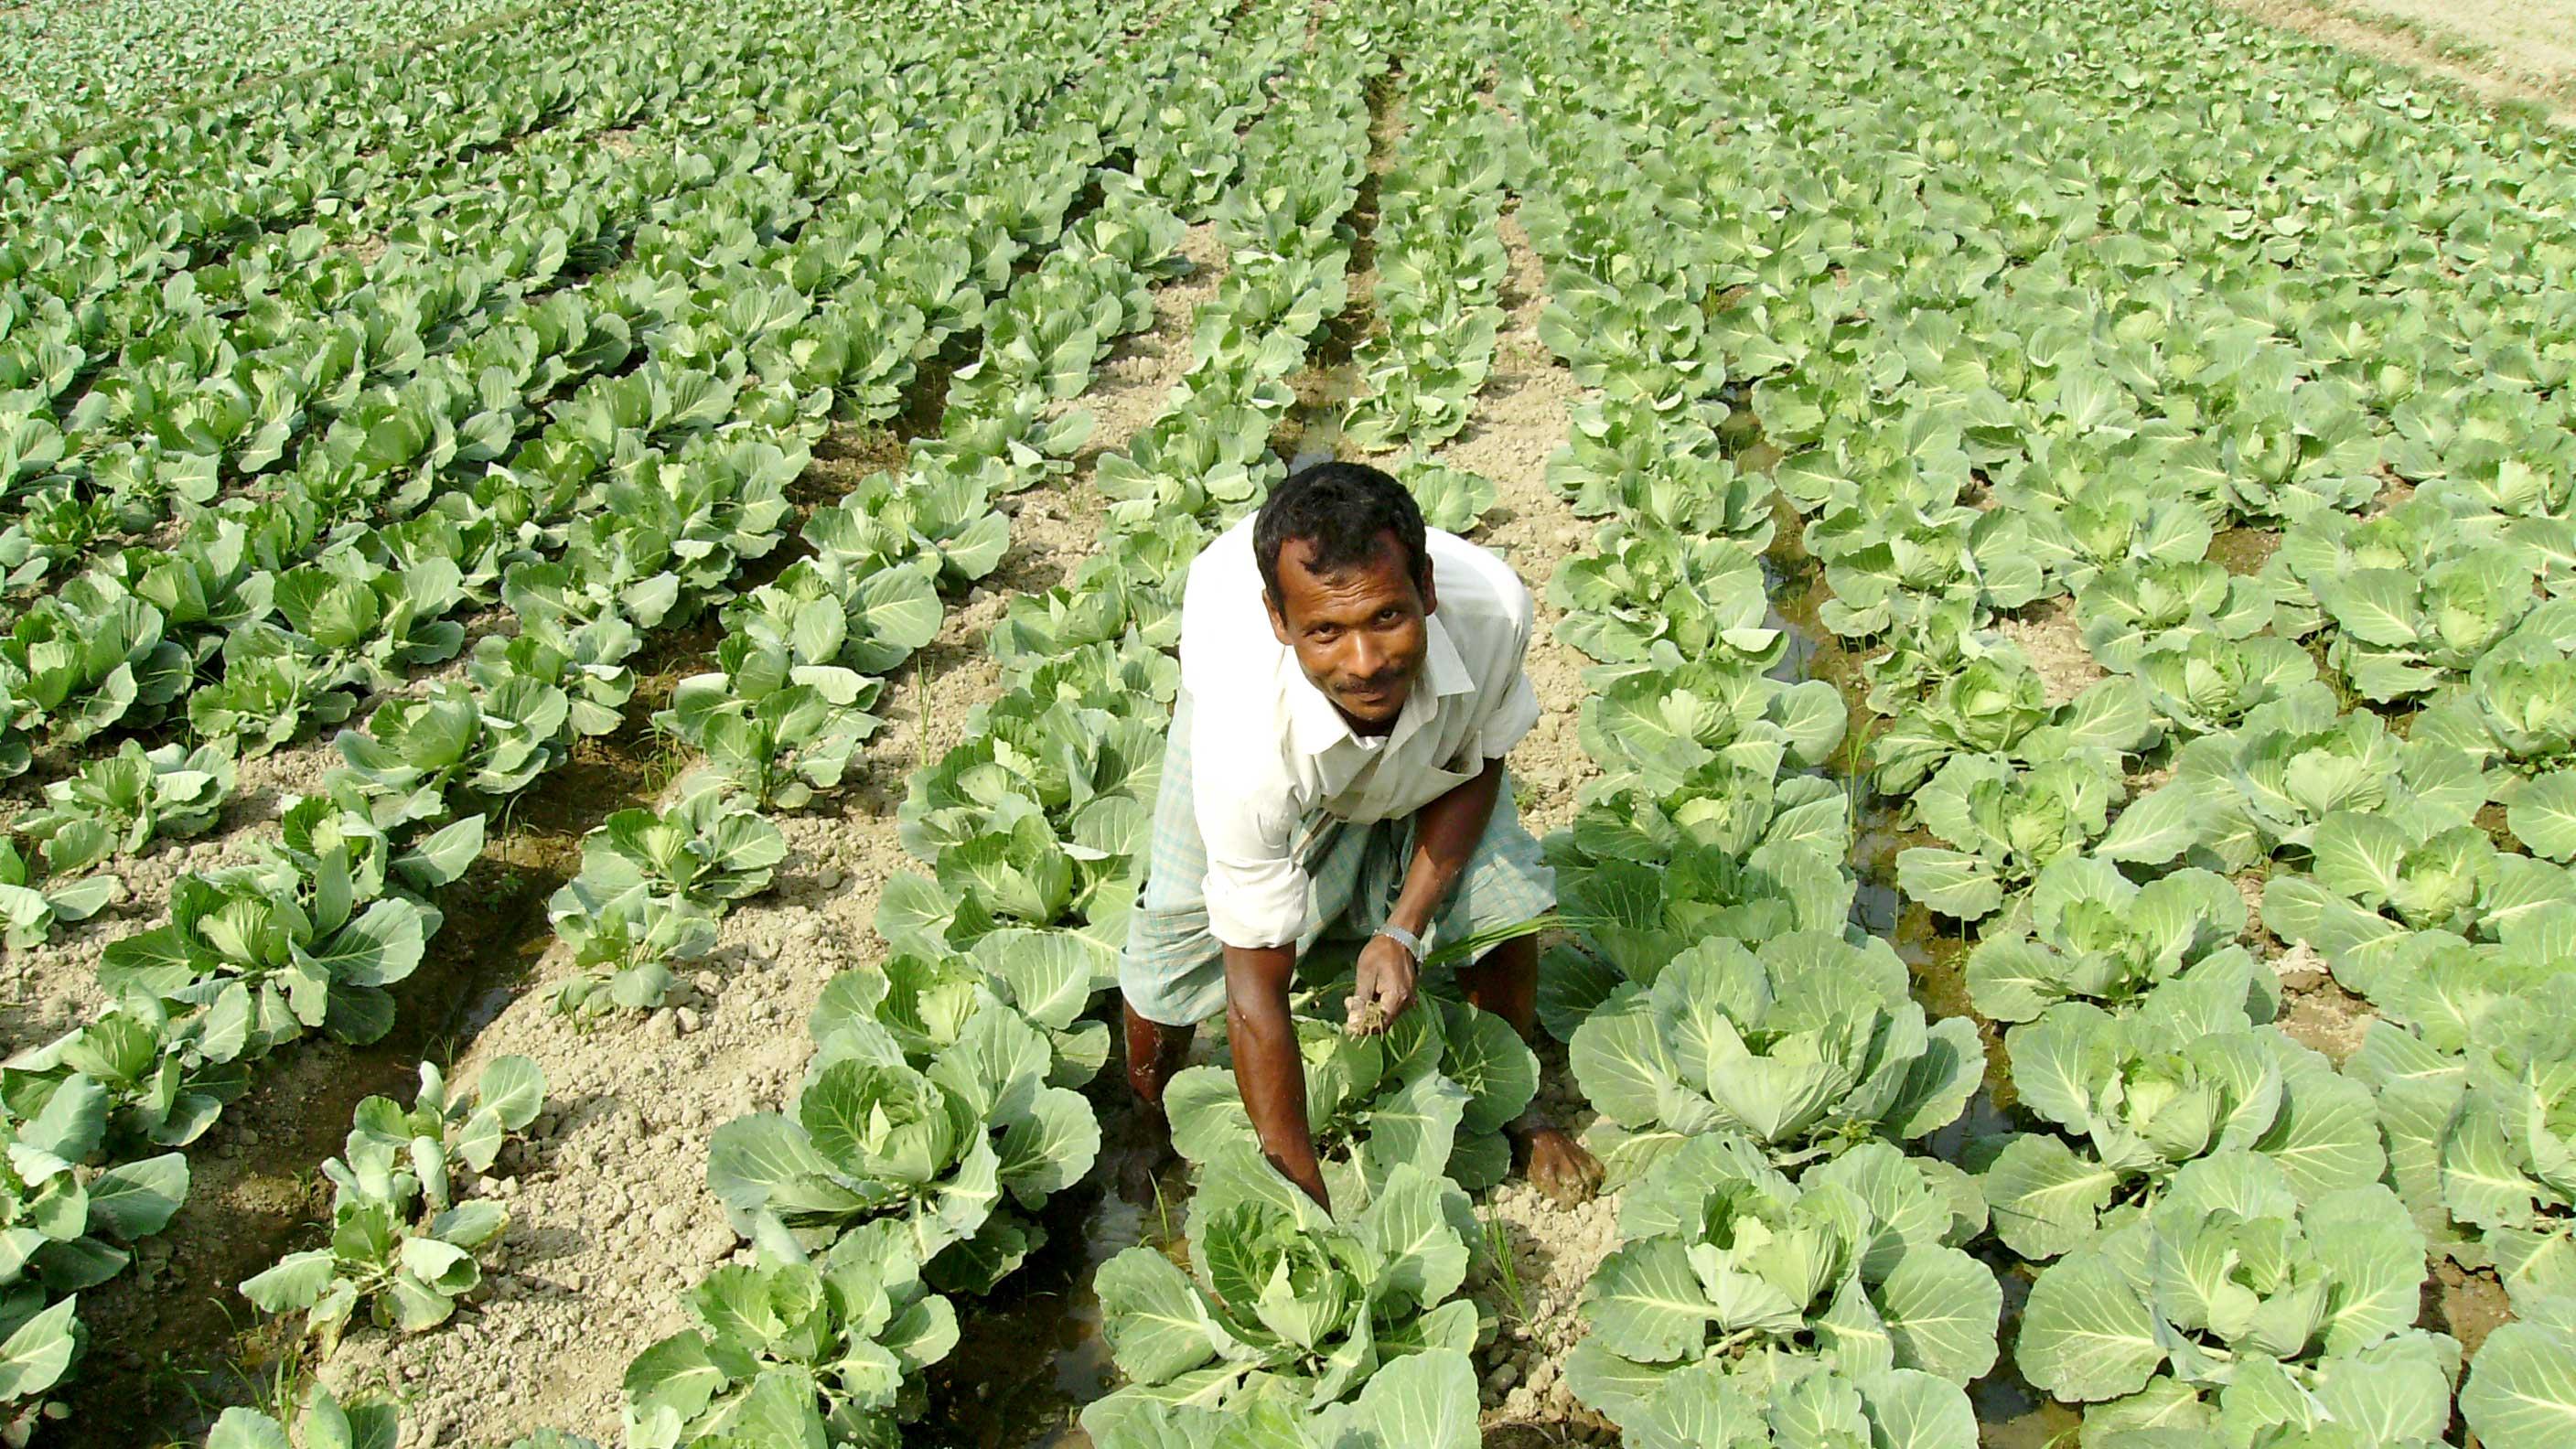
1350, 683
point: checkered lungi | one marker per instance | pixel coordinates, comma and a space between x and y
1172, 971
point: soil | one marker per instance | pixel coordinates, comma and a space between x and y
2315, 1012
1520, 419
2466, 1304
2532, 40
2368, 27
2049, 639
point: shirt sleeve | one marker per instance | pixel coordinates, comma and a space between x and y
1256, 890
1514, 709
1515, 717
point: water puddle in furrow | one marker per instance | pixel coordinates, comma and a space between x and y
2010, 1413
1031, 1354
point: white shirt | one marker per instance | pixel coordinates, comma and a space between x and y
1269, 751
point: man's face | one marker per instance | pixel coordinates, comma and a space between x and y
1359, 632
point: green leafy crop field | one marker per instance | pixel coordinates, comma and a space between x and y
587, 610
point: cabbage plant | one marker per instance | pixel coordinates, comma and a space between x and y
2401, 634
403, 1242
2376, 881
2477, 1097
2262, 788
2517, 707
774, 729
584, 663
2210, 681
1740, 1298
924, 1105
2091, 934
2180, 1075
944, 520
1646, 587
1434, 1089
791, 1349
270, 687
646, 875
1805, 1045
399, 770
118, 804
1283, 1303
1621, 458
1997, 705
2006, 824
2078, 537
308, 939
2138, 607
1450, 498
2235, 1308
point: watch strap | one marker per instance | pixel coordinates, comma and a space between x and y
1404, 938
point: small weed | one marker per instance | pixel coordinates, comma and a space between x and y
1507, 1266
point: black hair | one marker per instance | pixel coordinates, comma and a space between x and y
1343, 512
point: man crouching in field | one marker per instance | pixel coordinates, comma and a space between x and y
1350, 683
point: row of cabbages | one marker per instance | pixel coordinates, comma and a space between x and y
1791, 1264
2006, 381
633, 507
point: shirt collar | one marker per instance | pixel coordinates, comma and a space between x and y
1315, 726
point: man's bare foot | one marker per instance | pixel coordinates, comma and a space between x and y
1555, 1164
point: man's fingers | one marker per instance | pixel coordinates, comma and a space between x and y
1399, 998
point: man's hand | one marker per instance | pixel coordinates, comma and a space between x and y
1385, 987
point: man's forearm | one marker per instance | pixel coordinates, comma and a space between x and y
1445, 833
1269, 1070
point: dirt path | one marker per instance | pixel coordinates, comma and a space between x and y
2496, 50
611, 1220
1520, 419
2535, 38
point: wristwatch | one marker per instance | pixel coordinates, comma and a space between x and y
1404, 938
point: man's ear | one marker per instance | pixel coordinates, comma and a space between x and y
1430, 592
1278, 621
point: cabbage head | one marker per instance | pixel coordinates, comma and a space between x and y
2182, 1075
1283, 1304
1728, 1271
2233, 1305
1806, 1046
